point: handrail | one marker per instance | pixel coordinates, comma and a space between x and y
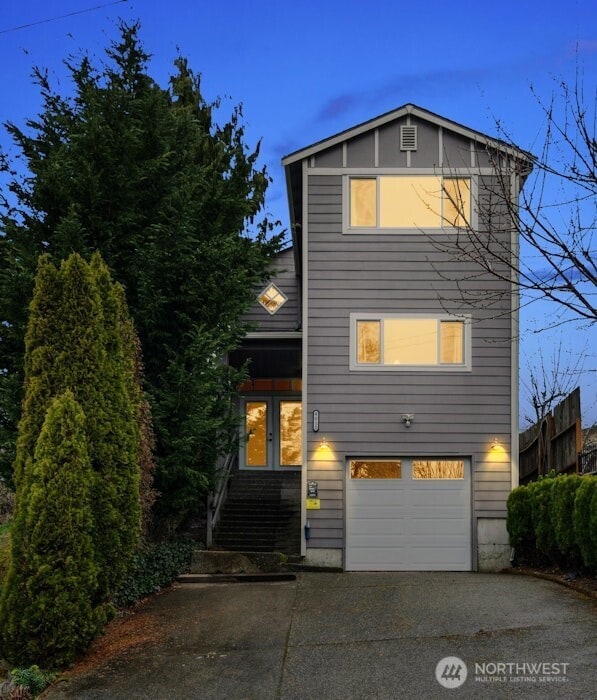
215, 500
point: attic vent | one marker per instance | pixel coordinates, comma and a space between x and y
408, 138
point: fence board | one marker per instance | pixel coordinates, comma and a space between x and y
552, 443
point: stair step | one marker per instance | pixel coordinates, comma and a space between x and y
261, 513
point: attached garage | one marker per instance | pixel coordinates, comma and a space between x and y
408, 514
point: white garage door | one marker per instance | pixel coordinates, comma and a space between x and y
408, 514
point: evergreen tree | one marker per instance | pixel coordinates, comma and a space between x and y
75, 342
173, 201
46, 613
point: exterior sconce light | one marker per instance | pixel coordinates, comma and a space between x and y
407, 419
323, 443
495, 444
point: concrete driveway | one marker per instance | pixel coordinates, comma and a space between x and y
358, 635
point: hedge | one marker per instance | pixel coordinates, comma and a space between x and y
554, 521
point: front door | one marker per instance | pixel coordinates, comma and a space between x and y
272, 433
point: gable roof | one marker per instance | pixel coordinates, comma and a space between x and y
407, 109
293, 161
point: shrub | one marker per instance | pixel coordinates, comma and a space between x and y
32, 678
585, 521
541, 493
564, 492
46, 613
4, 552
75, 341
519, 524
153, 567
7, 503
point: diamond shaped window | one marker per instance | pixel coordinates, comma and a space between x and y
272, 299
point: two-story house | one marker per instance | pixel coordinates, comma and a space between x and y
374, 373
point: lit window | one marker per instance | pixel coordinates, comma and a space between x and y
375, 469
401, 201
438, 469
272, 299
363, 206
456, 202
395, 341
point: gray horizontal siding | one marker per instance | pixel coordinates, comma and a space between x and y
456, 413
287, 318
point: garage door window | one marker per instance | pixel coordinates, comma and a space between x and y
438, 469
375, 469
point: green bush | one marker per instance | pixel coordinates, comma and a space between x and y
564, 493
4, 551
75, 342
153, 567
519, 524
32, 678
7, 503
541, 493
47, 614
585, 521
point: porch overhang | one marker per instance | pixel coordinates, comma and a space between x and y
270, 354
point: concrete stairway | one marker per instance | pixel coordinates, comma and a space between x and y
261, 513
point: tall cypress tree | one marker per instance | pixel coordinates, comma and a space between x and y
75, 342
173, 200
47, 614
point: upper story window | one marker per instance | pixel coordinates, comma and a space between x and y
272, 299
409, 201
403, 341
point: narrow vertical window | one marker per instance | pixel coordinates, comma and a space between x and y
457, 202
363, 202
291, 441
452, 342
256, 428
369, 342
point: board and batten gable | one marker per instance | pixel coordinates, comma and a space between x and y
405, 271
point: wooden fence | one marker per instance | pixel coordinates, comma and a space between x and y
553, 443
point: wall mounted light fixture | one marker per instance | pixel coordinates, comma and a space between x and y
323, 443
407, 419
495, 444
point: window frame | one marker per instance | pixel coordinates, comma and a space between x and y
355, 366
411, 173
278, 291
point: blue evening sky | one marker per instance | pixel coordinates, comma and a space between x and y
305, 70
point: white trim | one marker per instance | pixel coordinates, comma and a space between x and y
515, 330
430, 230
277, 289
376, 148
396, 114
272, 400
366, 172
366, 316
274, 335
305, 359
408, 156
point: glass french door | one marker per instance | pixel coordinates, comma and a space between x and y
272, 433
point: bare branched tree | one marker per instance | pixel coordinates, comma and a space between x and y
540, 237
548, 379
